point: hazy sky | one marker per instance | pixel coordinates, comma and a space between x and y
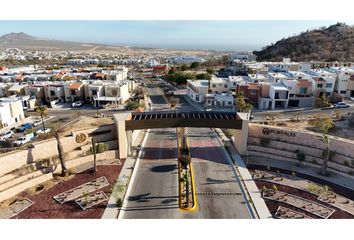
220, 35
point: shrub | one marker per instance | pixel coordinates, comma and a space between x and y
119, 202
264, 141
100, 148
300, 156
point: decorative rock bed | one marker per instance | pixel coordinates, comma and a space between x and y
301, 203
15, 208
91, 200
81, 190
287, 213
332, 199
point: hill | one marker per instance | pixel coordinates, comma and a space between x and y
27, 42
334, 43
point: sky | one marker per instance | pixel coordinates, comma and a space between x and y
217, 35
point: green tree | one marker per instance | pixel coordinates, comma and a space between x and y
326, 141
195, 65
43, 112
184, 67
322, 123
206, 76
242, 106
210, 70
323, 101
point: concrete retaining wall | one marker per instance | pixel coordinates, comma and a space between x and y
45, 149
283, 142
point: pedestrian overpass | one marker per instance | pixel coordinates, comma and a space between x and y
128, 122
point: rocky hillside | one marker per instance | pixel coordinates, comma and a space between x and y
335, 43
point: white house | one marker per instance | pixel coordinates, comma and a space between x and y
11, 110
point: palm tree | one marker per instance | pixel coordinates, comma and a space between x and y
173, 102
93, 141
61, 154
325, 139
43, 111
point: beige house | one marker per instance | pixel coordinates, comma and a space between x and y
93, 91
117, 90
54, 92
74, 92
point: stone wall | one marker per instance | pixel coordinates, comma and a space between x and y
23, 169
282, 143
48, 148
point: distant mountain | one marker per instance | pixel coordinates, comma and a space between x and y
27, 42
334, 43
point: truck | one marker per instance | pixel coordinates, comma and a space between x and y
23, 140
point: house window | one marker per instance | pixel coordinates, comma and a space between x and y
197, 98
225, 86
94, 92
329, 85
73, 92
303, 90
214, 86
253, 92
319, 85
230, 103
343, 92
52, 93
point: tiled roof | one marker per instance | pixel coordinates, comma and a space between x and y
75, 85
303, 83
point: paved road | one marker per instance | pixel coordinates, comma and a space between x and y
154, 190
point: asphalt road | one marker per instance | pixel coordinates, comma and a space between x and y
154, 190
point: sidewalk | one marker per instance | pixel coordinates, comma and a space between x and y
122, 185
247, 180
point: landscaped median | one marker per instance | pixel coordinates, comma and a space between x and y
186, 185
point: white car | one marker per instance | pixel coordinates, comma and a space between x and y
6, 135
341, 105
41, 131
21, 140
37, 123
76, 104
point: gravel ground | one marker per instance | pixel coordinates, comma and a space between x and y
45, 207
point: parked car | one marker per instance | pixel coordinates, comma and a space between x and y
37, 123
41, 131
24, 127
23, 140
76, 104
6, 135
341, 105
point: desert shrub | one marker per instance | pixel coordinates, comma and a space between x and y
264, 141
119, 202
100, 148
300, 156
